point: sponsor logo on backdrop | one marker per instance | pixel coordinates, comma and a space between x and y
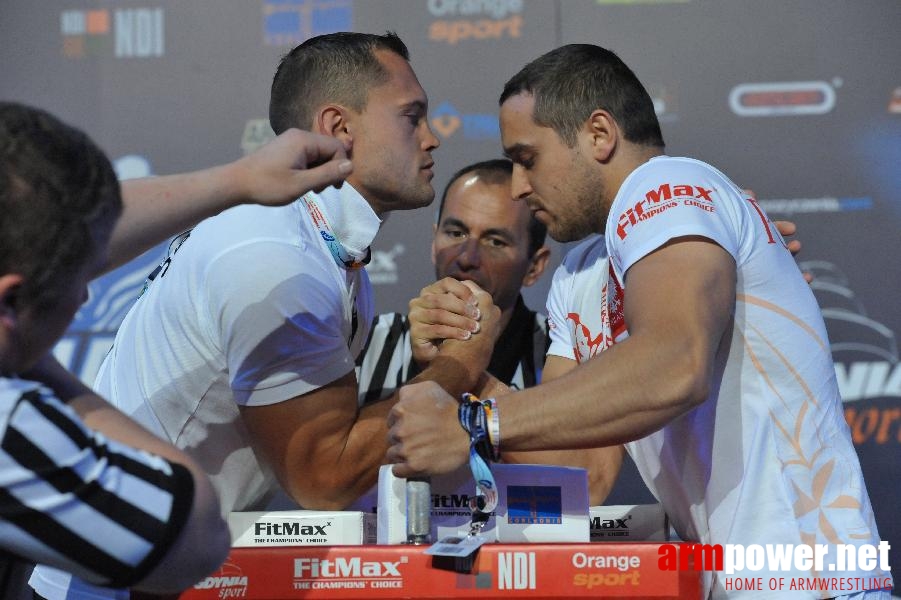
447, 121
290, 22
464, 20
229, 581
347, 573
894, 103
451, 505
665, 105
790, 206
120, 32
93, 329
642, 1
788, 98
382, 268
865, 353
256, 133
132, 166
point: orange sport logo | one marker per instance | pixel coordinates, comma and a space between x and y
463, 20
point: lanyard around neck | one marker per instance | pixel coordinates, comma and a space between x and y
344, 258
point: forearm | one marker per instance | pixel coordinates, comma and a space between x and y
156, 208
348, 464
203, 541
457, 375
602, 464
284, 169
625, 393
356, 455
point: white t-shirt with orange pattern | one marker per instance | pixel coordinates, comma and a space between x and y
768, 458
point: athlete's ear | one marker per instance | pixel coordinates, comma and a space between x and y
537, 265
601, 134
335, 120
10, 287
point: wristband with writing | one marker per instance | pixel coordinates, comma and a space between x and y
474, 419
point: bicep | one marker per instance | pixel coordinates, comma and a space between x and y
683, 291
304, 434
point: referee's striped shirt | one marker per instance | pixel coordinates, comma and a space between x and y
386, 362
72, 499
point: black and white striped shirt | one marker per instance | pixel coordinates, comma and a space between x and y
73, 499
386, 362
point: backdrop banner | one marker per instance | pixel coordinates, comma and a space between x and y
799, 101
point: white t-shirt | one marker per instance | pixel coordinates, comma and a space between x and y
250, 310
768, 458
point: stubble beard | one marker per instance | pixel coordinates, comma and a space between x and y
589, 218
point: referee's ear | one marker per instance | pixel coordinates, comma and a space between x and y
10, 286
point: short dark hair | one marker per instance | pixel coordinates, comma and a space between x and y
337, 67
55, 184
497, 171
571, 81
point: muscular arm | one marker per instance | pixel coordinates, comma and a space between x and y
678, 306
326, 451
156, 208
603, 464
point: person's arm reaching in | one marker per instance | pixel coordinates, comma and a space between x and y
202, 541
155, 208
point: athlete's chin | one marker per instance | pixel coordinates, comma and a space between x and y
563, 234
420, 198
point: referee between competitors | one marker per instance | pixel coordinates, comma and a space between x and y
697, 343
481, 235
83, 487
